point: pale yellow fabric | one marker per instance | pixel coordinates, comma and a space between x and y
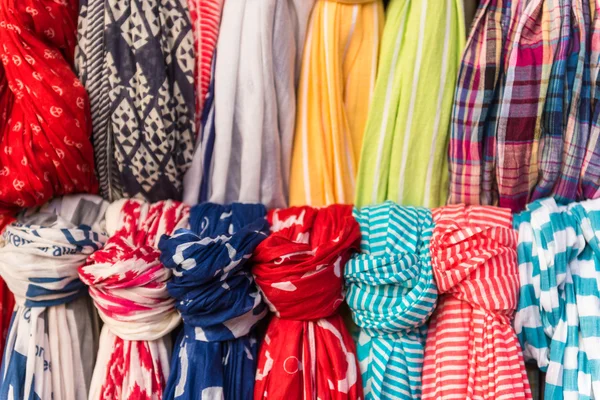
336, 85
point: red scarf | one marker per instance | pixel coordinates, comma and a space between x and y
472, 350
307, 352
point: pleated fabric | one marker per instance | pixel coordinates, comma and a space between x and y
45, 148
137, 61
128, 284
404, 152
216, 352
391, 292
244, 148
307, 352
53, 337
558, 320
472, 351
339, 67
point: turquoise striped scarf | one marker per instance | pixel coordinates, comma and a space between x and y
392, 294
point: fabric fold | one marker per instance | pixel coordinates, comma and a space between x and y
53, 337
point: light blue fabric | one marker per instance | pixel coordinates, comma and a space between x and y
391, 292
558, 318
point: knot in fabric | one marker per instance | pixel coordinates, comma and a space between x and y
44, 248
391, 293
127, 281
557, 319
211, 281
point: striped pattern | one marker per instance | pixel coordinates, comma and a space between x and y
336, 85
472, 350
558, 322
391, 293
406, 138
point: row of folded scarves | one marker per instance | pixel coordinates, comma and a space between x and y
432, 292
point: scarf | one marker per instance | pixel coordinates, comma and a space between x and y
53, 337
128, 284
250, 125
391, 293
307, 351
136, 59
216, 352
558, 318
336, 86
472, 350
44, 116
404, 153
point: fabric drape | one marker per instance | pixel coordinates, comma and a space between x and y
136, 59
404, 151
128, 284
45, 149
53, 337
244, 148
558, 316
216, 352
472, 350
307, 352
391, 293
337, 79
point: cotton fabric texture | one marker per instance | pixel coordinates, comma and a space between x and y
391, 292
244, 150
404, 151
128, 284
136, 59
216, 352
559, 304
307, 351
472, 350
53, 337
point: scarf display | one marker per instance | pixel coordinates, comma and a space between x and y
472, 350
392, 294
128, 284
243, 153
53, 337
558, 317
337, 79
45, 149
307, 352
137, 61
215, 354
404, 152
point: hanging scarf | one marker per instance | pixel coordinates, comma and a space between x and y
128, 284
137, 62
559, 304
216, 352
472, 350
307, 351
250, 126
391, 293
404, 154
53, 337
336, 86
44, 117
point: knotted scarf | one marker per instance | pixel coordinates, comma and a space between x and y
404, 153
53, 337
137, 61
216, 352
472, 350
45, 149
559, 305
244, 149
307, 352
336, 86
128, 284
391, 293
